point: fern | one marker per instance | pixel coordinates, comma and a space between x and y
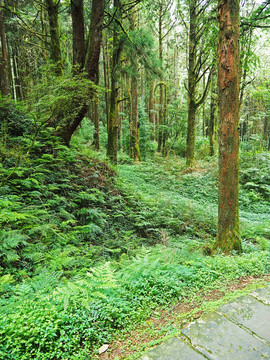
93, 286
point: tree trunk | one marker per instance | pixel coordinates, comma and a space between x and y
4, 57
78, 34
134, 149
152, 107
106, 78
56, 54
161, 98
176, 72
212, 119
228, 238
95, 39
113, 106
91, 63
192, 107
95, 115
191, 133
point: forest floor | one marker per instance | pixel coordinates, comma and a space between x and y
168, 323
187, 199
93, 255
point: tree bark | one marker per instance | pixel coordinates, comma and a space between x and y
134, 149
56, 54
95, 39
161, 95
91, 63
113, 105
212, 119
95, 114
228, 237
152, 114
78, 34
192, 107
4, 57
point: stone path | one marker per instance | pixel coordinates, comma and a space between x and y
239, 330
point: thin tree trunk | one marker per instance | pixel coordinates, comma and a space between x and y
228, 238
152, 106
192, 108
176, 72
212, 119
95, 115
113, 106
4, 57
161, 97
106, 79
134, 150
191, 133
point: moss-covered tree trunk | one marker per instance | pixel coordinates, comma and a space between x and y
228, 238
78, 34
55, 47
94, 42
91, 65
4, 57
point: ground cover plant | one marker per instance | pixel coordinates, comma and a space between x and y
88, 252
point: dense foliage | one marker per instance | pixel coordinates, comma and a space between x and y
73, 271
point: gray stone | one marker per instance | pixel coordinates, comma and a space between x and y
173, 349
251, 313
220, 339
262, 294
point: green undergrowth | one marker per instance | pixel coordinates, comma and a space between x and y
88, 251
54, 317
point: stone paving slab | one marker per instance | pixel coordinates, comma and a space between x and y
173, 349
262, 294
250, 313
218, 338
239, 330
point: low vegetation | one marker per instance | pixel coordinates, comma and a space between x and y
88, 251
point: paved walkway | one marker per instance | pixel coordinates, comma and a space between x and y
239, 330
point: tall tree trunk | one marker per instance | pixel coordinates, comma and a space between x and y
191, 132
161, 95
192, 107
134, 149
95, 116
212, 119
228, 238
113, 106
106, 77
78, 34
152, 117
176, 71
266, 129
197, 61
56, 54
4, 57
